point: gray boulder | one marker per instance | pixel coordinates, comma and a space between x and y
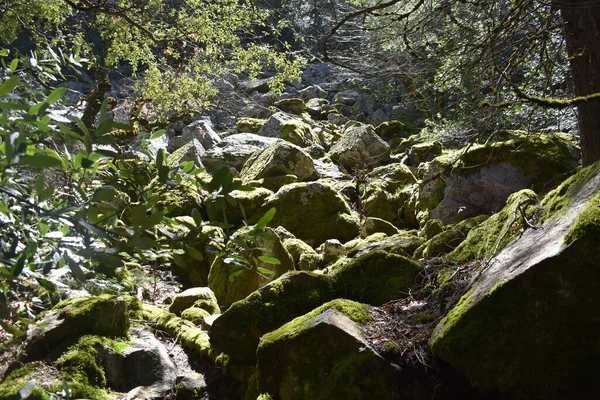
360, 148
202, 131
279, 158
234, 150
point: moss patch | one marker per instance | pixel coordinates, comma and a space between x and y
587, 223
11, 384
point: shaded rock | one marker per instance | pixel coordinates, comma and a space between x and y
229, 290
389, 130
234, 150
487, 174
297, 248
360, 147
346, 97
238, 331
201, 297
250, 200
403, 243
293, 105
293, 130
249, 125
279, 158
311, 92
144, 369
102, 315
259, 85
423, 152
316, 356
372, 225
376, 277
446, 241
195, 315
528, 326
202, 131
192, 151
314, 212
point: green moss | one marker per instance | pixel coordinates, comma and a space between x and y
11, 384
357, 312
249, 125
195, 314
481, 241
587, 223
376, 277
297, 132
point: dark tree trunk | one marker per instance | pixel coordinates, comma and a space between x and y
582, 33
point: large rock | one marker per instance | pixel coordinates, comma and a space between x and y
201, 297
313, 212
374, 278
278, 159
325, 355
103, 315
192, 151
529, 324
250, 200
229, 289
238, 331
360, 148
202, 131
291, 129
487, 174
234, 150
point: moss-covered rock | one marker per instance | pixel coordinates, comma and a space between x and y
292, 105
278, 159
297, 248
389, 130
373, 225
248, 279
200, 297
376, 277
325, 355
14, 380
532, 312
483, 177
447, 240
489, 237
249, 125
238, 331
360, 148
313, 212
423, 152
249, 200
403, 243
101, 315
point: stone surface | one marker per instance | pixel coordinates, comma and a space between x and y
313, 212
234, 150
360, 148
101, 315
201, 297
279, 158
202, 131
529, 325
192, 151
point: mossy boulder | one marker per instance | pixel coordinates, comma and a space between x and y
250, 200
423, 152
16, 378
291, 129
529, 325
376, 277
360, 148
191, 151
373, 225
497, 231
249, 125
238, 331
325, 355
100, 315
448, 239
403, 243
478, 181
292, 105
389, 130
200, 297
313, 212
247, 278
278, 159
297, 248
234, 150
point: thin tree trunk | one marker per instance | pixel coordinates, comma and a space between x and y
582, 34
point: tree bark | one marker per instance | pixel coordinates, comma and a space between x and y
582, 34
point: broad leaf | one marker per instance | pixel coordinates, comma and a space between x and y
269, 260
55, 95
234, 274
9, 85
265, 219
40, 161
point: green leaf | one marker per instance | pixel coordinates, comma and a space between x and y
69, 133
265, 271
158, 134
269, 260
14, 64
13, 330
197, 217
27, 389
152, 219
40, 161
37, 108
55, 95
3, 53
195, 254
234, 274
66, 389
142, 242
9, 85
76, 271
105, 193
265, 219
19, 265
46, 284
103, 111
13, 106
